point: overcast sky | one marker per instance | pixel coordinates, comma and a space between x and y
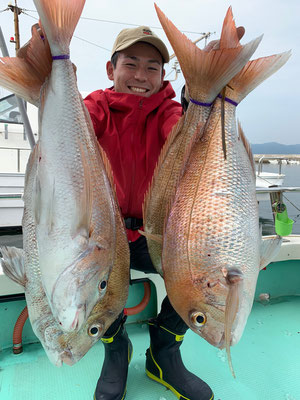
270, 113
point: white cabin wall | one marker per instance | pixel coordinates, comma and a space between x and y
15, 150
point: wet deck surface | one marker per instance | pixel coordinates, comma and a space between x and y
266, 363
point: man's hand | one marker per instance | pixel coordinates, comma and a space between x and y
214, 44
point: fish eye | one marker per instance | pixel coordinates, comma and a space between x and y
198, 319
94, 331
102, 285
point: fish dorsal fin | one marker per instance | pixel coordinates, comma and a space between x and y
109, 172
247, 146
162, 156
270, 247
253, 74
13, 264
206, 72
105, 160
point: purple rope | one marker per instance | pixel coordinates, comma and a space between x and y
229, 100
61, 57
198, 103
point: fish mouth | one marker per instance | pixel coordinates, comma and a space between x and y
67, 357
71, 325
75, 322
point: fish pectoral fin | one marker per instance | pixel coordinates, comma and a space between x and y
12, 263
234, 280
151, 236
99, 242
43, 201
88, 241
84, 205
269, 248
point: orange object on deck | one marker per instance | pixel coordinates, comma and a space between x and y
18, 329
142, 305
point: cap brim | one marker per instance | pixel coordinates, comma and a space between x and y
156, 42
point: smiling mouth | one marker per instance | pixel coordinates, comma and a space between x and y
138, 89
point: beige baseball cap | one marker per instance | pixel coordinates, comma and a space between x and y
127, 37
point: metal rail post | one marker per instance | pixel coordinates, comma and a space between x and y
20, 102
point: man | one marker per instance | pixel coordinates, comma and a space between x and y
132, 121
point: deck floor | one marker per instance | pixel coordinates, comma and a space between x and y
266, 363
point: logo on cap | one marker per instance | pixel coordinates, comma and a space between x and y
147, 32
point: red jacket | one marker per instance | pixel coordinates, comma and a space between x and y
132, 130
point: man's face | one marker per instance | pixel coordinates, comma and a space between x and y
139, 70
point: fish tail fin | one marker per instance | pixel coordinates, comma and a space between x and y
15, 76
13, 264
254, 73
207, 72
59, 19
229, 38
25, 74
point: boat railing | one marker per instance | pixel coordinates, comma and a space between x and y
264, 158
259, 190
277, 189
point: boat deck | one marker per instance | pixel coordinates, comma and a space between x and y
266, 363
266, 360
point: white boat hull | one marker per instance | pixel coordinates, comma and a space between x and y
11, 203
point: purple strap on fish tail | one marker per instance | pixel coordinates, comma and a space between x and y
61, 57
198, 103
228, 100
